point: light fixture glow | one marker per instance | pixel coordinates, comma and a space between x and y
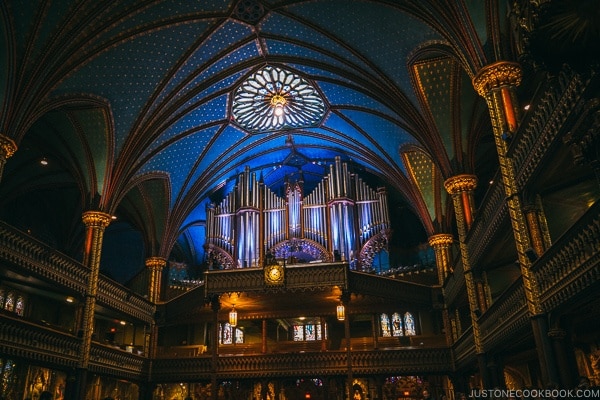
278, 103
69, 299
340, 312
233, 316
274, 98
44, 161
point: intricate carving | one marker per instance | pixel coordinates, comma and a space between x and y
441, 239
495, 75
460, 183
7, 147
96, 219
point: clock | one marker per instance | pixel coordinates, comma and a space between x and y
274, 274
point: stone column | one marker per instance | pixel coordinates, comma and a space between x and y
7, 149
497, 84
155, 265
95, 224
461, 188
441, 244
216, 306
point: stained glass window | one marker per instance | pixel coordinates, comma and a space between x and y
397, 325
409, 324
385, 325
10, 302
309, 332
20, 306
273, 99
298, 333
239, 335
227, 337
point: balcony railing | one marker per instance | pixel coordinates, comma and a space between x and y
39, 259
401, 361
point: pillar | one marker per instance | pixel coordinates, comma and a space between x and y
461, 188
7, 149
216, 306
441, 244
95, 223
155, 265
497, 84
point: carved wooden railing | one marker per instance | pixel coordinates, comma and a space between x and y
112, 361
572, 264
39, 259
24, 339
545, 122
505, 318
315, 276
318, 276
315, 364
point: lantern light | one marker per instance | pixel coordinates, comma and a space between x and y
341, 312
233, 316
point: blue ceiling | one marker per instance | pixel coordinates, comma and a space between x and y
158, 78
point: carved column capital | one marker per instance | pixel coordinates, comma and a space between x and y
460, 183
441, 239
96, 219
155, 263
501, 73
8, 147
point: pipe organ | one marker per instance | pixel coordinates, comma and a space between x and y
342, 219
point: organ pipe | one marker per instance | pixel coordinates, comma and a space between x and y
341, 213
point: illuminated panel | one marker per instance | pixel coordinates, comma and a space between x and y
273, 98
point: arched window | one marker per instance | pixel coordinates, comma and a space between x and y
397, 325
227, 335
10, 302
409, 324
20, 306
385, 325
239, 335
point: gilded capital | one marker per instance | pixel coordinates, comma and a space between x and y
7, 147
156, 263
441, 239
96, 219
460, 183
497, 74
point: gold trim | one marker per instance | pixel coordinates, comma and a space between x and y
97, 219
441, 239
497, 74
8, 147
460, 183
156, 263
274, 274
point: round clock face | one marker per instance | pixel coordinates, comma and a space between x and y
275, 274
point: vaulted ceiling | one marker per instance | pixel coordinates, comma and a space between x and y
130, 104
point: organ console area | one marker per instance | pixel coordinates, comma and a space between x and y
342, 219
